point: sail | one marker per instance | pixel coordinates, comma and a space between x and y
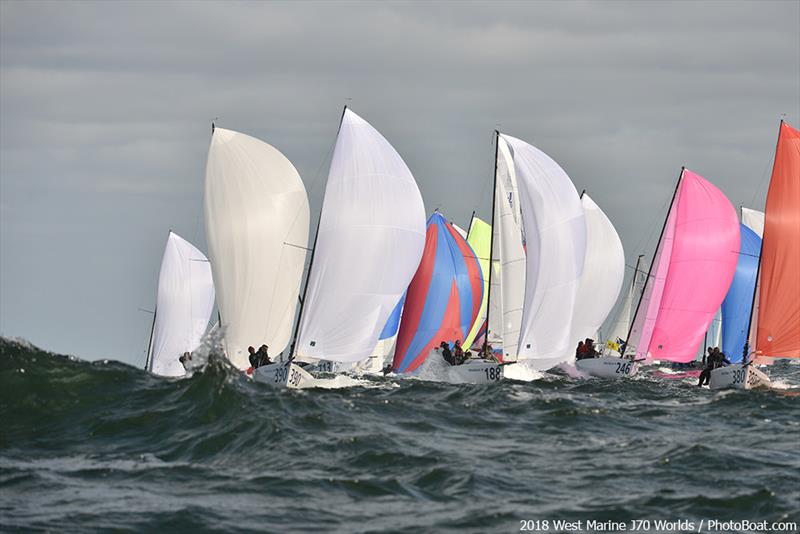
461, 231
508, 276
443, 299
738, 302
702, 261
619, 330
778, 334
480, 239
256, 218
184, 305
603, 273
555, 233
754, 220
370, 241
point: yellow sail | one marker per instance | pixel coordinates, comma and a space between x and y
480, 239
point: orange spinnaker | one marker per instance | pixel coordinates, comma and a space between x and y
779, 298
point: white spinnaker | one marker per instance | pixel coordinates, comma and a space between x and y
555, 233
603, 273
256, 215
754, 220
370, 242
184, 304
509, 287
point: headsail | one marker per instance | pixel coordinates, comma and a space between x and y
555, 234
480, 239
693, 268
619, 329
256, 215
778, 334
370, 240
184, 305
603, 273
738, 303
444, 297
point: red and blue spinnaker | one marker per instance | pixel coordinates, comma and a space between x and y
444, 298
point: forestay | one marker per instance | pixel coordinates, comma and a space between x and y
555, 234
603, 273
370, 241
184, 304
256, 216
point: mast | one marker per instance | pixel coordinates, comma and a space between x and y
491, 243
650, 270
150, 343
469, 228
745, 356
293, 351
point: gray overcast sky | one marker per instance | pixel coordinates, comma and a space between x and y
105, 110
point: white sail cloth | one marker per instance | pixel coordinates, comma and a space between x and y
754, 220
623, 321
555, 234
257, 216
508, 277
183, 307
603, 273
371, 239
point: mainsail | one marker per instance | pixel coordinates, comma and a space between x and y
555, 234
738, 303
778, 324
183, 308
619, 329
603, 273
691, 272
480, 239
443, 299
370, 240
508, 257
256, 215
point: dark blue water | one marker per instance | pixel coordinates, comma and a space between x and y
105, 446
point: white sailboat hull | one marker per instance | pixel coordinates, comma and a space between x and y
738, 376
284, 375
475, 372
607, 367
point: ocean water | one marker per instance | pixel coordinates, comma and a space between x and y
87, 446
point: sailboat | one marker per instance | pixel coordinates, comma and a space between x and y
369, 241
256, 220
554, 230
183, 307
775, 320
599, 288
443, 303
693, 266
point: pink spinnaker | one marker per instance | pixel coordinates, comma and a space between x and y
695, 265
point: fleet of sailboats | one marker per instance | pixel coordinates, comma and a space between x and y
519, 291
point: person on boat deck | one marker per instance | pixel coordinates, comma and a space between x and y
185, 359
253, 357
715, 360
263, 357
707, 357
458, 353
446, 354
588, 344
580, 352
